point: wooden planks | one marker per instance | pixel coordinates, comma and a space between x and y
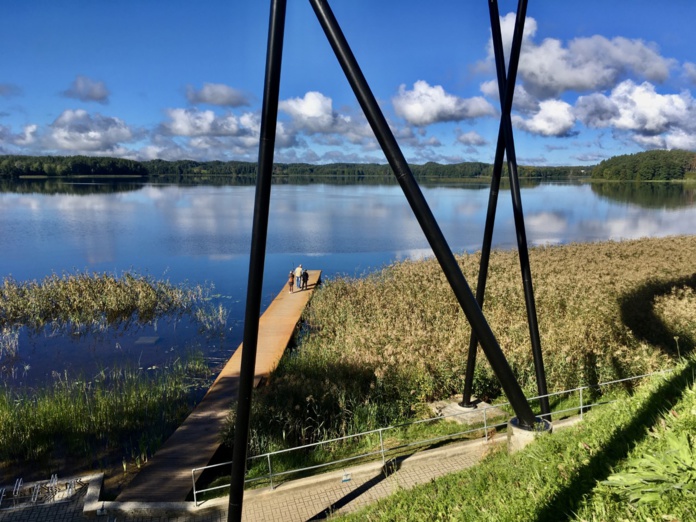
167, 477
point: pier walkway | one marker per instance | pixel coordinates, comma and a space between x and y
167, 477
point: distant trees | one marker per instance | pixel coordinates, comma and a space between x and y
238, 172
644, 166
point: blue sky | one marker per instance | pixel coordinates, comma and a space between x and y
175, 79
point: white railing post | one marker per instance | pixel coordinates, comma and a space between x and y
270, 469
193, 479
485, 423
581, 404
381, 445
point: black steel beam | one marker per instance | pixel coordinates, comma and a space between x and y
507, 94
269, 117
422, 212
506, 122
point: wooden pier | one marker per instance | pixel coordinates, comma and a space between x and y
167, 477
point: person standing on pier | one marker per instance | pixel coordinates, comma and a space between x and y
291, 280
298, 277
305, 279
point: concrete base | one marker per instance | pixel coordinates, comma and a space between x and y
518, 437
472, 414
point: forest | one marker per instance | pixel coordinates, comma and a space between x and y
658, 165
237, 172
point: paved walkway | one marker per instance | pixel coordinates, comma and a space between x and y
167, 476
313, 498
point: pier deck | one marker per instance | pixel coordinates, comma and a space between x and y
167, 477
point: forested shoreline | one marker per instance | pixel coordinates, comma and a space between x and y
238, 172
654, 165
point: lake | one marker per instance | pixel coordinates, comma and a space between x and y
202, 234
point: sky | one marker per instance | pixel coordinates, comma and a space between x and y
174, 79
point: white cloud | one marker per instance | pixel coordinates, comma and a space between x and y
77, 130
314, 116
192, 122
471, 138
590, 63
28, 137
216, 94
554, 118
522, 101
313, 113
654, 120
690, 71
85, 89
427, 104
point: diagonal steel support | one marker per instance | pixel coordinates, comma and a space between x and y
506, 87
269, 118
422, 211
414, 196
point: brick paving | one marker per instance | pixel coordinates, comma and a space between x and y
314, 498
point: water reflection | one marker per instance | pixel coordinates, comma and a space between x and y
202, 234
648, 195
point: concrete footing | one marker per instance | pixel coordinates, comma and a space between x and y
519, 436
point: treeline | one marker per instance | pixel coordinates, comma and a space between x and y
645, 166
238, 172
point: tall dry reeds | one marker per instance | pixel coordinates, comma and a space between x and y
377, 346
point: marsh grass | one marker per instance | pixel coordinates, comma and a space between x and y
376, 348
89, 303
119, 415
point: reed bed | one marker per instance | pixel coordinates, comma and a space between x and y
90, 300
121, 414
376, 348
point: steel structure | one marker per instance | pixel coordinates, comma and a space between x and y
471, 306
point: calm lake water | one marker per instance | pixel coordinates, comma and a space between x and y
202, 234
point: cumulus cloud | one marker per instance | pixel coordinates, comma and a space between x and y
313, 114
522, 101
590, 63
28, 136
216, 94
8, 90
77, 130
690, 71
654, 120
427, 104
472, 139
192, 122
85, 89
554, 118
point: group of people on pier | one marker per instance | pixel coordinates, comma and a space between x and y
298, 277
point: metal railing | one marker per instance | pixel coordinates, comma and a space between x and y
487, 425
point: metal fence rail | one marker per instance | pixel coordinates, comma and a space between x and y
382, 451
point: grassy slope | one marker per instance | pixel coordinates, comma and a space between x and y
560, 477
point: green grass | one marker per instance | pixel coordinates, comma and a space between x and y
584, 473
120, 414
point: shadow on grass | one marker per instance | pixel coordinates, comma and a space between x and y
638, 313
599, 467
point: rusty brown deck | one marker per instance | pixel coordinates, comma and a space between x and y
167, 477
